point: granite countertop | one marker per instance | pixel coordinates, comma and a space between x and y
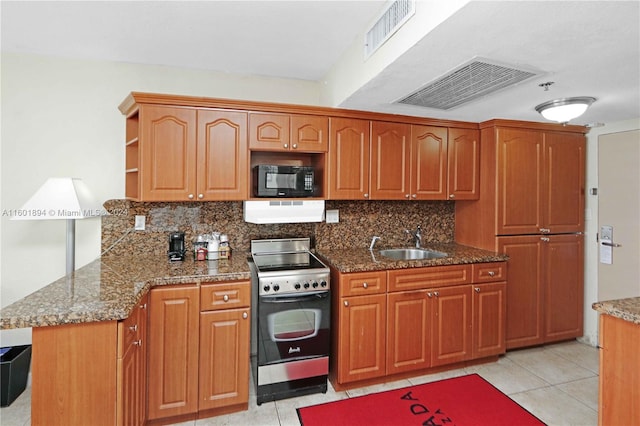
361, 259
627, 309
108, 289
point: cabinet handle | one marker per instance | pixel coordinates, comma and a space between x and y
190, 196
452, 195
286, 145
143, 306
294, 146
138, 342
414, 195
346, 303
429, 294
245, 315
492, 274
225, 297
366, 195
545, 230
477, 289
200, 196
133, 327
436, 293
365, 285
545, 239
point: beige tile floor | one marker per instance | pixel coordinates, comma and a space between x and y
558, 383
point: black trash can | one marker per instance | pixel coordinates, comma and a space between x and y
14, 365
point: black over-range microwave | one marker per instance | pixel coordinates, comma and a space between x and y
283, 181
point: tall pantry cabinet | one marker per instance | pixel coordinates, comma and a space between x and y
531, 208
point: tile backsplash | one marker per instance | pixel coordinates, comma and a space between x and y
359, 222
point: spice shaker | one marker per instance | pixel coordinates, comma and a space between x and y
213, 247
225, 250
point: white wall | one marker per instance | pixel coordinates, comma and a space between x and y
60, 118
591, 225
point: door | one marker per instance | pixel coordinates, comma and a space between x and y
489, 307
451, 324
390, 158
619, 207
464, 164
428, 162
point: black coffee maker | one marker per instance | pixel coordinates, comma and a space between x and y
176, 246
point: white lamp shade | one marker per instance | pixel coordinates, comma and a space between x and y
61, 198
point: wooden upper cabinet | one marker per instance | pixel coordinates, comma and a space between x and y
284, 132
463, 164
222, 166
167, 153
540, 182
428, 162
520, 169
564, 182
348, 159
390, 161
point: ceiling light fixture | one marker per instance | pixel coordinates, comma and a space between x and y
565, 109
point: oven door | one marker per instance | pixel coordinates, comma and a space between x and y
293, 327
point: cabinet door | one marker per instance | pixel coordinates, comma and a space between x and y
269, 132
428, 163
168, 153
390, 161
224, 358
348, 159
564, 182
408, 332
451, 325
525, 295
464, 164
309, 133
564, 286
361, 344
520, 168
127, 395
173, 351
222, 164
141, 360
489, 308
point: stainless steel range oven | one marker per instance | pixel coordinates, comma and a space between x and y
292, 319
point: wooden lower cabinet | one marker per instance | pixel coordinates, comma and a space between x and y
619, 382
451, 319
173, 351
80, 375
199, 339
361, 347
224, 358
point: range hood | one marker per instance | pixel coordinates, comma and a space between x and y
285, 211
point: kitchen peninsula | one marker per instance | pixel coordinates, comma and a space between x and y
619, 387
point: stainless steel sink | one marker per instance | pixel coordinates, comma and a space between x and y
411, 254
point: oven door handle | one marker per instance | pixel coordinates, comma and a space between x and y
292, 299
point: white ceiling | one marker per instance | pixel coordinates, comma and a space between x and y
588, 48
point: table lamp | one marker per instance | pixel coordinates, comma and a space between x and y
62, 198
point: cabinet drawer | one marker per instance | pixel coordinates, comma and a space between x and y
434, 276
363, 283
489, 272
225, 295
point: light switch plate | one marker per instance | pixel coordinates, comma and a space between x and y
140, 223
332, 216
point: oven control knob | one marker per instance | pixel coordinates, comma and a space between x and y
306, 285
315, 284
323, 284
276, 287
266, 288
297, 286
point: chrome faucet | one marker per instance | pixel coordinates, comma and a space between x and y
373, 242
415, 236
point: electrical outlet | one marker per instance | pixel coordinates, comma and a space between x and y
140, 223
332, 216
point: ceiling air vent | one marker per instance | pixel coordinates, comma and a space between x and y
466, 83
391, 20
